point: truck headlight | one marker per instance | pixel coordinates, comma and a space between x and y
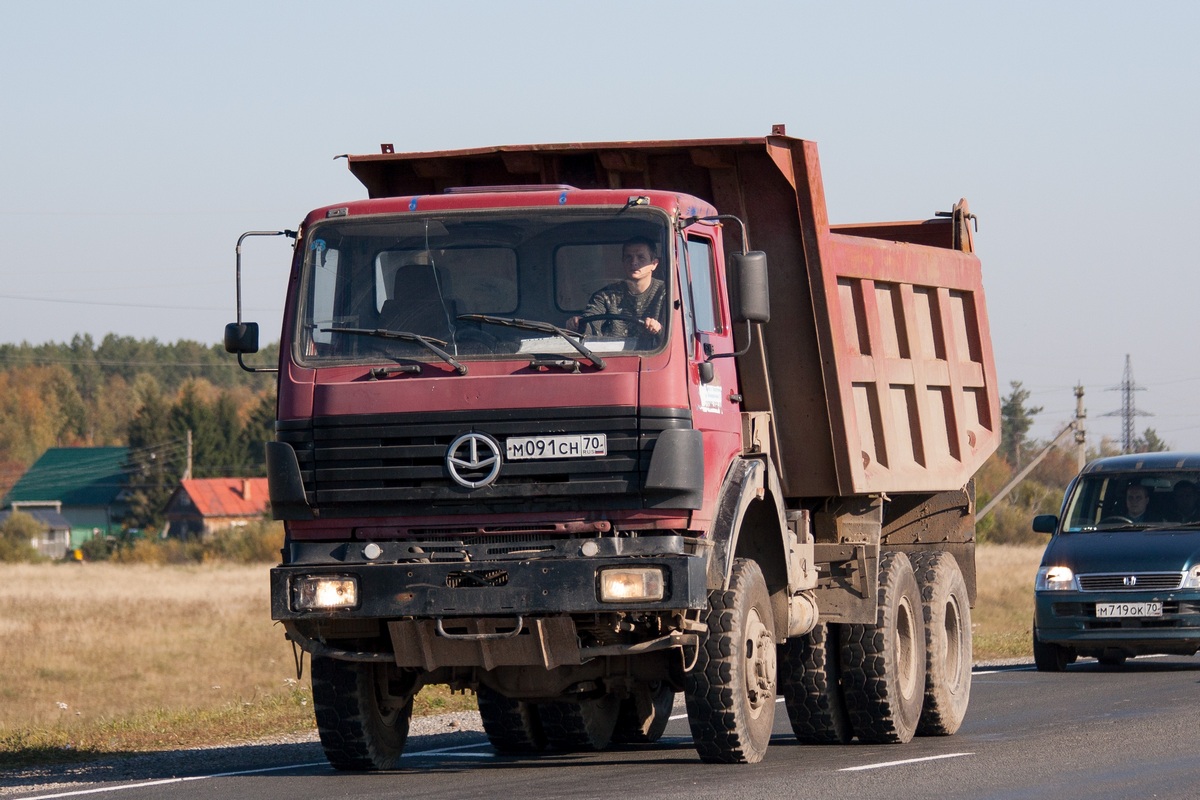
324, 593
631, 584
1055, 579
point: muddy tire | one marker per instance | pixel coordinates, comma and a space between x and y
883, 665
361, 728
512, 726
644, 715
810, 682
731, 689
573, 727
948, 642
1050, 657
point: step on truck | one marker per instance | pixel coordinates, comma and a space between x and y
582, 427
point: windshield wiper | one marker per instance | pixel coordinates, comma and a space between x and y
428, 342
545, 327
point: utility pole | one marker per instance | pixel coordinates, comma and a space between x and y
187, 471
1080, 433
1128, 408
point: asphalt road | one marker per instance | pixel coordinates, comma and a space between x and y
1090, 732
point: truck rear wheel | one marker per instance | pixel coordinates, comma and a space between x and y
644, 714
731, 689
948, 643
884, 664
584, 725
512, 726
810, 680
363, 725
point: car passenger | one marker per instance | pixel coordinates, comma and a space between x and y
1187, 501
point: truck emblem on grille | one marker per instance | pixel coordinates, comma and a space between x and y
1130, 580
473, 460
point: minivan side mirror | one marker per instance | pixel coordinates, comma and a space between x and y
750, 301
1045, 523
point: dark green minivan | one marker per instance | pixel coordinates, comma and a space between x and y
1121, 574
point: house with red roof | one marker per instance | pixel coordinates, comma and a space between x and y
202, 506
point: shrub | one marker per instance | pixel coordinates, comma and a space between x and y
15, 536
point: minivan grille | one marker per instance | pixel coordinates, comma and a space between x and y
1131, 581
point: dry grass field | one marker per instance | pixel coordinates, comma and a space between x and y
110, 658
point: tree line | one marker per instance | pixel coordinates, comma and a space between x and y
142, 394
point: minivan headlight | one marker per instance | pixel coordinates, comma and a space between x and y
1191, 578
1056, 579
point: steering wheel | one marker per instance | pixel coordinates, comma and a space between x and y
593, 317
1115, 518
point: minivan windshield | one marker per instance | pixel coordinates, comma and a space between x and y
574, 286
1108, 500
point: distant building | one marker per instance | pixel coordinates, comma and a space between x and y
202, 506
88, 486
55, 536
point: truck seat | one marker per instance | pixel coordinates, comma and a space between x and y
418, 304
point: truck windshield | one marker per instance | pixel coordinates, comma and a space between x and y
564, 285
1105, 501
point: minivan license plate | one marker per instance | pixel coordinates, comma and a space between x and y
583, 445
1106, 610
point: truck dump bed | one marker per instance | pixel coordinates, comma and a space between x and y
877, 364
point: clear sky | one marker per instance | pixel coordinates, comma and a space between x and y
139, 139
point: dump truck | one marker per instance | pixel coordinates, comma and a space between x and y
583, 427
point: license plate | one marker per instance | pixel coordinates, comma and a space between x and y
1106, 610
584, 445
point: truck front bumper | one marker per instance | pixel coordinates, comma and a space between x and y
401, 581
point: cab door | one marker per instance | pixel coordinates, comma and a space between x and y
712, 374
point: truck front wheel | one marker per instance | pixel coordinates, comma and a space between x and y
948, 658
884, 664
810, 679
363, 711
731, 689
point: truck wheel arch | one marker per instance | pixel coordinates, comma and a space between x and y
751, 523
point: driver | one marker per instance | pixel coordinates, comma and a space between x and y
1137, 499
639, 296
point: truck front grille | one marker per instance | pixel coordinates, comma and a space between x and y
386, 464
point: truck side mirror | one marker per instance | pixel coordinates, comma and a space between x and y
1045, 523
241, 337
750, 300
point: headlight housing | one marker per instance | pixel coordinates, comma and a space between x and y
324, 592
631, 584
1056, 579
1191, 578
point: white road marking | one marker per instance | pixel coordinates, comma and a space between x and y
905, 761
168, 781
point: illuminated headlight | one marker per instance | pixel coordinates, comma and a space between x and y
1056, 579
313, 593
1191, 578
631, 584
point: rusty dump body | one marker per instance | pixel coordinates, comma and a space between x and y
876, 366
